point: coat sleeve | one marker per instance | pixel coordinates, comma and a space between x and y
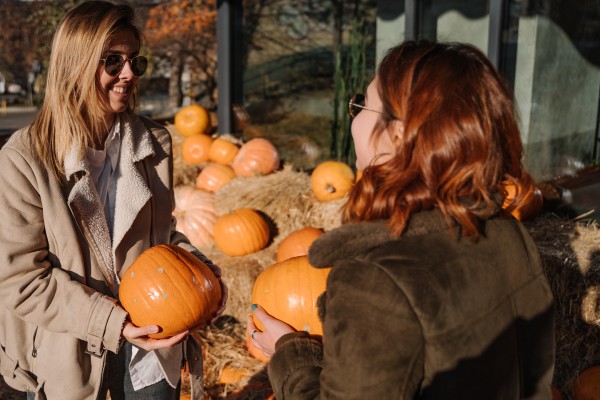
372, 343
34, 288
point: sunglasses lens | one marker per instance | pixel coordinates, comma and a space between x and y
113, 64
139, 65
356, 104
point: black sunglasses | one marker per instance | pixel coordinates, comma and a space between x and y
357, 104
114, 63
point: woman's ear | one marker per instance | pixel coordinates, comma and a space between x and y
396, 131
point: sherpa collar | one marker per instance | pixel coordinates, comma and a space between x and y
132, 192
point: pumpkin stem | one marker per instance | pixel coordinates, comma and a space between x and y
330, 188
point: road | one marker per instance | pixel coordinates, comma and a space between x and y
13, 118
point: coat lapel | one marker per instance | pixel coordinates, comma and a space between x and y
85, 205
132, 191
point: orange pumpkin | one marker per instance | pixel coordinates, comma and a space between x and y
195, 148
192, 120
232, 376
214, 176
297, 243
195, 214
289, 290
243, 231
256, 157
532, 203
222, 151
169, 287
331, 180
587, 385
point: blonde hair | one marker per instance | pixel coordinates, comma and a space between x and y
71, 117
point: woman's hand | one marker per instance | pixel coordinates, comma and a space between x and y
138, 336
274, 329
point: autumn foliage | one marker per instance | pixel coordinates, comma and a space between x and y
183, 33
180, 21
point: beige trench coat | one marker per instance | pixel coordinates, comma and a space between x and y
58, 316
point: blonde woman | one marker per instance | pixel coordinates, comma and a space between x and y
85, 189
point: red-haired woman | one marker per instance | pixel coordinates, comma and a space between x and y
435, 293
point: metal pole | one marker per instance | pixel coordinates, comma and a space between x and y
224, 67
411, 25
497, 10
597, 133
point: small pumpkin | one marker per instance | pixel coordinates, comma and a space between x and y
289, 290
222, 151
192, 120
169, 287
243, 231
532, 203
587, 385
195, 214
297, 243
331, 180
256, 157
214, 176
195, 148
233, 376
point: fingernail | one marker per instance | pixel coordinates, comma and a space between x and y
254, 307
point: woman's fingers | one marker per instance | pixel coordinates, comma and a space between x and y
266, 339
138, 336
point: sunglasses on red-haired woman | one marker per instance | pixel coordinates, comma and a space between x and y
357, 104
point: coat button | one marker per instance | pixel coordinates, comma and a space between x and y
196, 358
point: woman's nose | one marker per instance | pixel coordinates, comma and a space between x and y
126, 71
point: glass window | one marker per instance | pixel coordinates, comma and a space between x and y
552, 56
304, 60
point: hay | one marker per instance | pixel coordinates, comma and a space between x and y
225, 347
571, 254
284, 196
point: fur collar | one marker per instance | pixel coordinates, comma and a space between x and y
352, 239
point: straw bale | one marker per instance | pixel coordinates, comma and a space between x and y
285, 196
239, 274
286, 200
571, 254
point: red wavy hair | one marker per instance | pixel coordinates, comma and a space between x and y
460, 139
